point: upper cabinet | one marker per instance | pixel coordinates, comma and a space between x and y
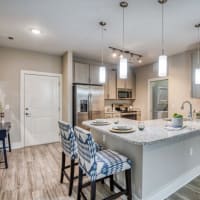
81, 73
86, 73
89, 74
110, 87
94, 74
195, 87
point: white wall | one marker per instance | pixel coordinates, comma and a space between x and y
12, 61
179, 75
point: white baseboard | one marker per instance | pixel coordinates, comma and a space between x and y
17, 145
175, 185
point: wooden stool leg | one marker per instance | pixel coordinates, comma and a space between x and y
93, 190
62, 167
128, 184
111, 183
80, 181
9, 144
5, 155
71, 177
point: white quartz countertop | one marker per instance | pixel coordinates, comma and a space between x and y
154, 130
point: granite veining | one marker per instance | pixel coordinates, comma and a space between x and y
154, 130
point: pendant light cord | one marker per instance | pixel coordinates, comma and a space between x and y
199, 46
102, 39
163, 51
123, 31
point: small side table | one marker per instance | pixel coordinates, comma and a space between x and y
6, 126
5, 133
2, 138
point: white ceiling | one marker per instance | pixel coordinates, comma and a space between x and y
73, 25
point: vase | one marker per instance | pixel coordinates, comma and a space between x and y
177, 122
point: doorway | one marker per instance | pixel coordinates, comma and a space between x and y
40, 107
158, 98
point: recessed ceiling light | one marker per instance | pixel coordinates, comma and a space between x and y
35, 31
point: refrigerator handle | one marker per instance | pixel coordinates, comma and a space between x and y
89, 107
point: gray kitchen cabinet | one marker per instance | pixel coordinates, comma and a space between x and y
195, 87
94, 74
86, 73
120, 82
81, 73
110, 87
126, 83
129, 82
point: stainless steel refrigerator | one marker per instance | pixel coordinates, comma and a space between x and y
88, 103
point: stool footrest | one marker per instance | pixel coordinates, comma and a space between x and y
116, 195
83, 195
118, 186
88, 183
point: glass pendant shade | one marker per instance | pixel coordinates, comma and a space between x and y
162, 66
102, 74
197, 76
123, 68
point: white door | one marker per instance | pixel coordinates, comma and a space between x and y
41, 109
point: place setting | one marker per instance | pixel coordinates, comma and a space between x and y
122, 129
100, 122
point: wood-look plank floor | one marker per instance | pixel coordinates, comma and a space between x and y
34, 174
189, 192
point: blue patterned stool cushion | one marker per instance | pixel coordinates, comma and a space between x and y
98, 164
110, 162
68, 139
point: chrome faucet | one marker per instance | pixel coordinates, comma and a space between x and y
190, 104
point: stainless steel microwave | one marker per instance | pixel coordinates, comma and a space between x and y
124, 93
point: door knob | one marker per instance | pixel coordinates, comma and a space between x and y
27, 114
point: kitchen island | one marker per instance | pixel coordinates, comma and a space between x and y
164, 160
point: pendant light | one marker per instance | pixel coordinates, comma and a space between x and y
102, 68
162, 62
123, 60
197, 70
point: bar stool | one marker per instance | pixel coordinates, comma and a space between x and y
100, 165
69, 149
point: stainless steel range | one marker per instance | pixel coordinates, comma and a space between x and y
127, 111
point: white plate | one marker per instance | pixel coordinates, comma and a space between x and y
170, 128
122, 127
122, 131
100, 123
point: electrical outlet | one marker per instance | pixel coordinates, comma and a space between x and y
191, 151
